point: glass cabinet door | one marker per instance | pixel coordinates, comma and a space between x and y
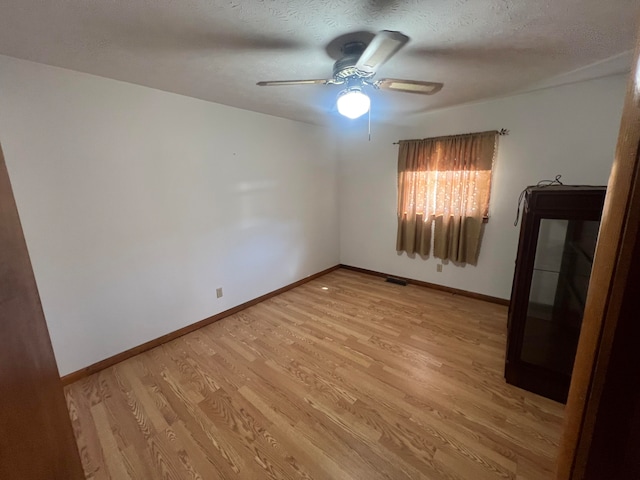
562, 266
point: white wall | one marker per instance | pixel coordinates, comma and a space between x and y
136, 204
569, 130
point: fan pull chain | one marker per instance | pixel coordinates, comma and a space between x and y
369, 123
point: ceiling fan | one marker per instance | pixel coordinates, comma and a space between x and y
356, 69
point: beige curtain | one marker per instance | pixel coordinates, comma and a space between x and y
444, 181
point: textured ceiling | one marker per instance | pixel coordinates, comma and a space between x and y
218, 49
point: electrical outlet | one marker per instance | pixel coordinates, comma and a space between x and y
218, 292
439, 267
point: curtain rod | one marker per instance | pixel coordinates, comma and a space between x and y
501, 132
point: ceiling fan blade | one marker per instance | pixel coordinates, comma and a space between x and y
294, 82
408, 86
383, 46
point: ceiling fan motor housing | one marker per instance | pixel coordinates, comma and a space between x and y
345, 67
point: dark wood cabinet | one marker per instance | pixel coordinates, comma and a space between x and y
558, 236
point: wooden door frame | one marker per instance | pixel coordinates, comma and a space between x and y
602, 403
36, 436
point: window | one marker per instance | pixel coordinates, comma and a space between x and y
444, 186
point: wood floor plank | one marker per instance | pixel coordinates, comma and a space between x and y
343, 377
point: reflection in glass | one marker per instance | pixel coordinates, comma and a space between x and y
558, 292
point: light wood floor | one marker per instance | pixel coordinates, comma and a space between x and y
361, 380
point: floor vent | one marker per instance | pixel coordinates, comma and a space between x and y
397, 281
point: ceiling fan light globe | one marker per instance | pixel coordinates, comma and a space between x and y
353, 103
